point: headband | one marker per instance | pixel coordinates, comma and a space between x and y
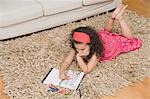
81, 37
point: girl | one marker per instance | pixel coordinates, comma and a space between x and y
90, 47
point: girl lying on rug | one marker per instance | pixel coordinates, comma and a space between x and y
90, 47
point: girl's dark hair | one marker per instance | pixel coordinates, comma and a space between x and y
95, 45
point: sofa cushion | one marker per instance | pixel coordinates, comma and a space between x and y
90, 2
57, 6
16, 11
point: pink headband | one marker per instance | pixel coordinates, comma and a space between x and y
81, 37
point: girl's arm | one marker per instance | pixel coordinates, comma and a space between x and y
66, 63
89, 66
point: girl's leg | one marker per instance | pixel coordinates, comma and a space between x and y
124, 27
109, 24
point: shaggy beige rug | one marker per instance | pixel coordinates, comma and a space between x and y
25, 61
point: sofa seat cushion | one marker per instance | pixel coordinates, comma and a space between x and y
56, 6
16, 11
90, 2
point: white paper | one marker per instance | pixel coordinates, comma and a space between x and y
53, 78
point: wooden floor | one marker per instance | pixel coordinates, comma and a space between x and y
141, 7
140, 90
2, 94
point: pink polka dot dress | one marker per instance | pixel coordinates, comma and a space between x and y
116, 44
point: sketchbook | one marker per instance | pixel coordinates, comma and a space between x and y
53, 78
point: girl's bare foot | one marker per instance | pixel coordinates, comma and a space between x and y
117, 10
119, 15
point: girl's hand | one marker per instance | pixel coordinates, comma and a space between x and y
117, 10
63, 76
84, 52
79, 54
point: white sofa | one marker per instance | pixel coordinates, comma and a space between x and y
20, 17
